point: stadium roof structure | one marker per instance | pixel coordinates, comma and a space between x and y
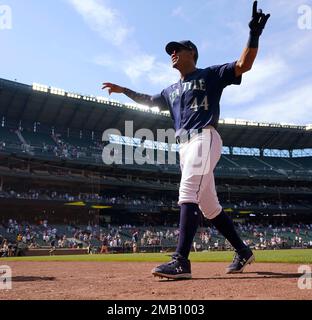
55, 107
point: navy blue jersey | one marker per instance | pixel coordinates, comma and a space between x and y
194, 103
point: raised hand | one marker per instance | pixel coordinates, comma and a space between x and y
259, 20
112, 88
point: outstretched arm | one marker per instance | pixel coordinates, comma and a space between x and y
249, 54
135, 96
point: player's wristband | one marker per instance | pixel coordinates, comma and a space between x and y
253, 41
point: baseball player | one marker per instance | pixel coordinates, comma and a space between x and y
194, 106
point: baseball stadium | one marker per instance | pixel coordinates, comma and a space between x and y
155, 152
74, 227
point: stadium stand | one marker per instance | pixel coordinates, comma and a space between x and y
51, 169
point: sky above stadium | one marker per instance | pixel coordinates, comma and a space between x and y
78, 44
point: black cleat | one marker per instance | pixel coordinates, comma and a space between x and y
178, 268
241, 259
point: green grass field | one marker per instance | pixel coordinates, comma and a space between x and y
303, 256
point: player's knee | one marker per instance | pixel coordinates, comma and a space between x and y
211, 212
188, 195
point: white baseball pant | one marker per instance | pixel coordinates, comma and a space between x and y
198, 158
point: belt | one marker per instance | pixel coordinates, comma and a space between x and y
187, 137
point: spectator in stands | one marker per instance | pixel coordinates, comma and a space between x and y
64, 242
4, 248
45, 223
134, 247
89, 247
135, 236
85, 237
216, 245
53, 246
24, 239
104, 247
33, 244
19, 238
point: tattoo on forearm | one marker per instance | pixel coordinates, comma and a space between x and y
138, 97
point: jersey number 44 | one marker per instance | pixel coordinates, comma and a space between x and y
204, 104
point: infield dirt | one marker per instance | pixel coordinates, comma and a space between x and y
133, 281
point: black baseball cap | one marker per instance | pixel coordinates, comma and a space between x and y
186, 44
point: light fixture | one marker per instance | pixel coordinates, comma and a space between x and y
57, 91
40, 87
